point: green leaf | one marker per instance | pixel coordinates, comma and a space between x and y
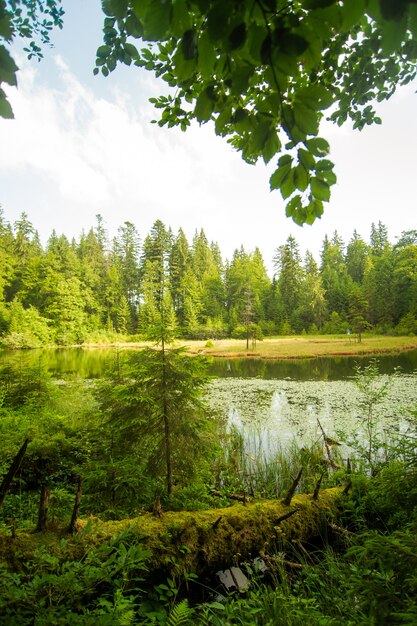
189, 44
352, 12
306, 119
315, 97
133, 26
288, 185
306, 159
292, 44
286, 159
412, 20
240, 77
259, 135
237, 37
293, 206
157, 20
278, 176
241, 120
218, 19
131, 50
181, 18
116, 8
324, 164
183, 68
254, 40
103, 51
222, 120
206, 55
329, 177
8, 67
393, 34
204, 107
271, 146
320, 189
318, 146
410, 50
6, 29
315, 209
6, 110
393, 9
301, 178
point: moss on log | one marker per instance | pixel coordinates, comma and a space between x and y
202, 541
199, 541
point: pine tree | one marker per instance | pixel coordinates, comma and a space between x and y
289, 272
356, 258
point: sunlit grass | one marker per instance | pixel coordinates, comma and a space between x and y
302, 346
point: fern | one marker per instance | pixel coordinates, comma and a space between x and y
180, 614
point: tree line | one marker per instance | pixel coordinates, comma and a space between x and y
95, 289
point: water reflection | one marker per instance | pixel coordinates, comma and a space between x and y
320, 368
272, 400
93, 363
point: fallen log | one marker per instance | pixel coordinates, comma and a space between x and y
203, 541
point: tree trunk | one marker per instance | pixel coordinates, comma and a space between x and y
165, 417
168, 454
43, 508
13, 469
73, 523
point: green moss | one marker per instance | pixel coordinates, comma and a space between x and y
190, 541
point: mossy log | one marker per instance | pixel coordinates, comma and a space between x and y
199, 541
204, 541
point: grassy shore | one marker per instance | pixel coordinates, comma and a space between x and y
288, 347
302, 346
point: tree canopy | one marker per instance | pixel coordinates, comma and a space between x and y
31, 21
263, 71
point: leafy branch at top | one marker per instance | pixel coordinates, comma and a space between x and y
264, 71
30, 20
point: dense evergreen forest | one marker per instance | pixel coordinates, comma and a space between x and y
96, 290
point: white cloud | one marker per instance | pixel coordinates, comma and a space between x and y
72, 153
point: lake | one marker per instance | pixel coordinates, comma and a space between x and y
93, 363
272, 402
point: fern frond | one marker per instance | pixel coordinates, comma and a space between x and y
180, 614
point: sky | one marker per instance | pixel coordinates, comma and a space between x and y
82, 145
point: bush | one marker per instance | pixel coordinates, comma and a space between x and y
406, 326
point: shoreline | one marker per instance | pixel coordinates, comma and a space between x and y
271, 349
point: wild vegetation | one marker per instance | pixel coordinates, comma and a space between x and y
129, 520
142, 443
97, 291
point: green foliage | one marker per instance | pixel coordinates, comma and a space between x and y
407, 325
26, 328
373, 388
335, 325
102, 586
154, 407
23, 384
265, 73
92, 291
30, 20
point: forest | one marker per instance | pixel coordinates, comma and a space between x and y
126, 499
98, 290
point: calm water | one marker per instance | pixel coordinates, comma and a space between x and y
93, 363
271, 402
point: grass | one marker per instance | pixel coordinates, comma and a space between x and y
302, 346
